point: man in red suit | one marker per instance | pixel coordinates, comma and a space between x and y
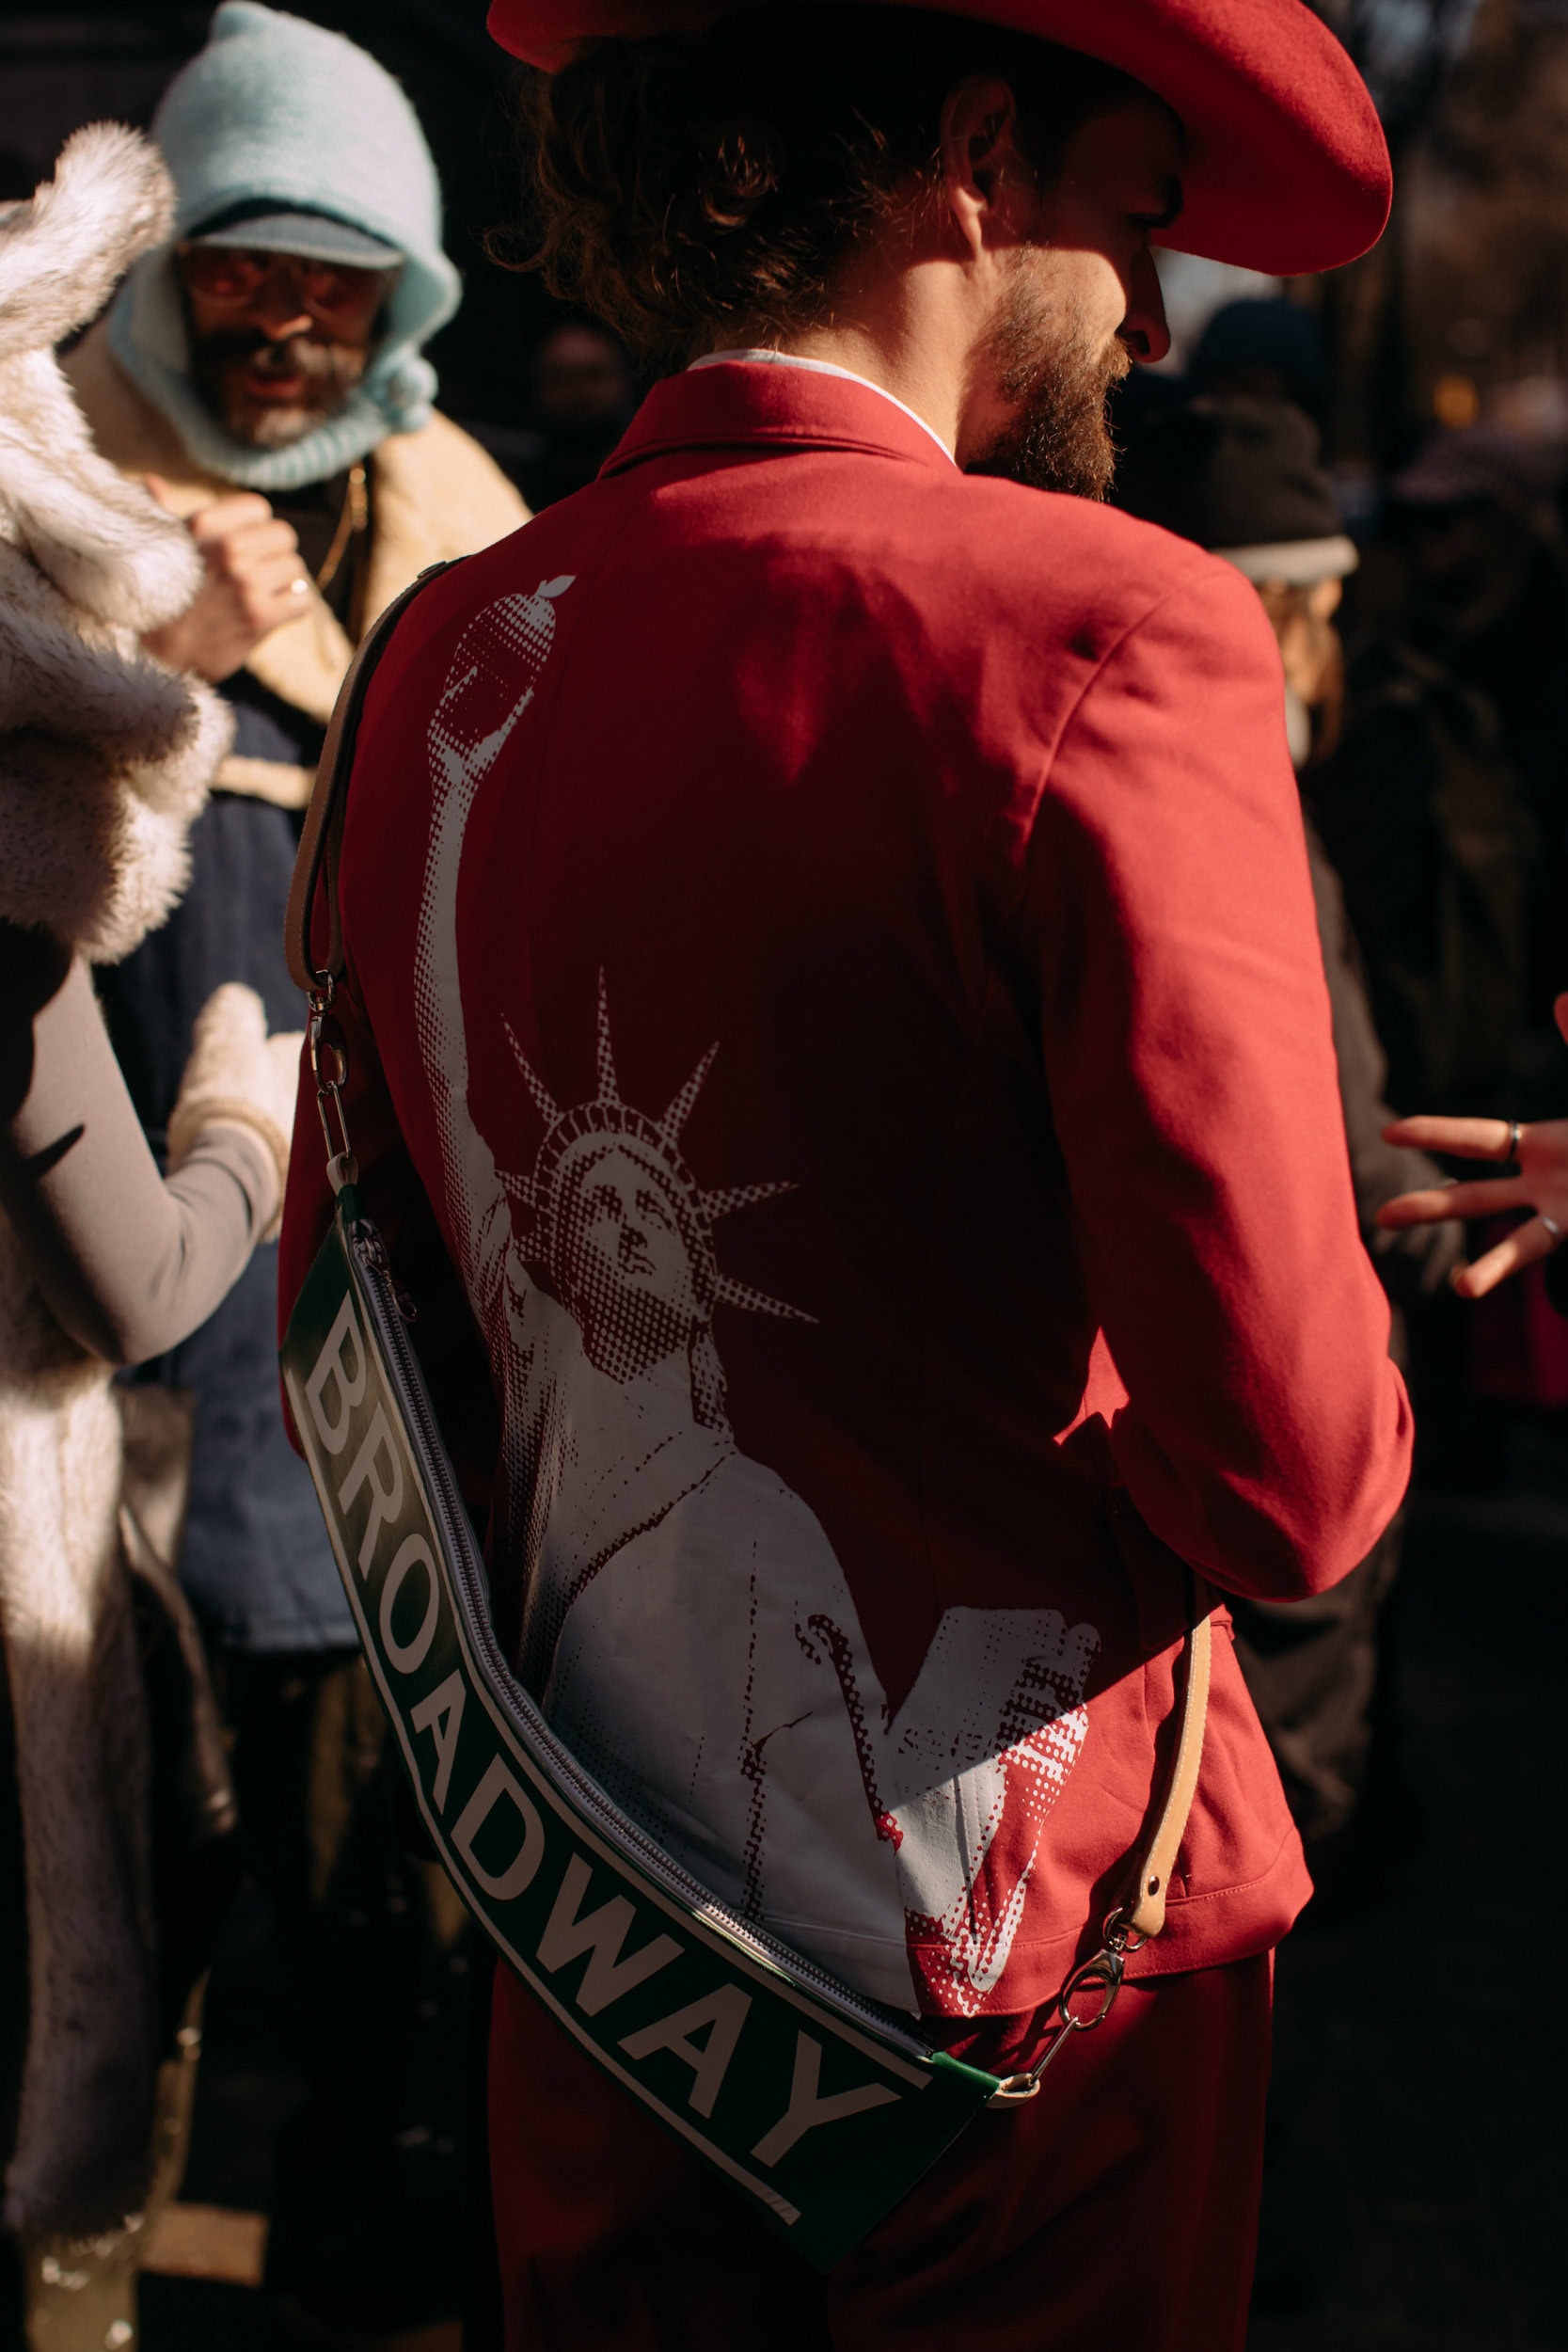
860, 1119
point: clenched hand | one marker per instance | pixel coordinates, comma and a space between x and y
254, 582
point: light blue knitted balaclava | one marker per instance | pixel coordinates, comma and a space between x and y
278, 111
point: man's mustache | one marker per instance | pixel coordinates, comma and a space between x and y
329, 370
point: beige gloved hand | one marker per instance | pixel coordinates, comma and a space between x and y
238, 1076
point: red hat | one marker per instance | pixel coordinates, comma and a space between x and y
1287, 169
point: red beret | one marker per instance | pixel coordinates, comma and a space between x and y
1287, 169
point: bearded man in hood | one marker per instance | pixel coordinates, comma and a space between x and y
263, 370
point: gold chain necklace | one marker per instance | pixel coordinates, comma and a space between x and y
356, 514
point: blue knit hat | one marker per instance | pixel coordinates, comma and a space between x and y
278, 113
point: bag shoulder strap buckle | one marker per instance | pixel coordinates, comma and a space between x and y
1089, 1993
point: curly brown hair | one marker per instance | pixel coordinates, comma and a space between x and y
687, 185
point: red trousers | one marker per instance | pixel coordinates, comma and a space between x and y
1118, 2207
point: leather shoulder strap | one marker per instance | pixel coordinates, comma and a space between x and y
323, 818
1144, 1905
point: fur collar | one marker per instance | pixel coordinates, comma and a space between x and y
105, 755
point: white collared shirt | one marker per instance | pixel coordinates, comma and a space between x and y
821, 366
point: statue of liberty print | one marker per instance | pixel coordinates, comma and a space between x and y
686, 1626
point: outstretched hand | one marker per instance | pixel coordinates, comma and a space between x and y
1541, 1155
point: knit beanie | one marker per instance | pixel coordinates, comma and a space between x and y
1241, 477
276, 111
1272, 334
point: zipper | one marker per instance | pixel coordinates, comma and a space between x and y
390, 1319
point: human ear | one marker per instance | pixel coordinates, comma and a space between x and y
983, 172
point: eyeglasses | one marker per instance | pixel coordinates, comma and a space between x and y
236, 274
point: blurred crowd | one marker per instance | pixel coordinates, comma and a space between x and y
260, 370
1425, 651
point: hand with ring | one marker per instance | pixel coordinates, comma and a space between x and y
1541, 1152
253, 584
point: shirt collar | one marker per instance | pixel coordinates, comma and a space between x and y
818, 367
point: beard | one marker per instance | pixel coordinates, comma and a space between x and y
1046, 366
329, 372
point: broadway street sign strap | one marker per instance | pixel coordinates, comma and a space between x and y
820, 2106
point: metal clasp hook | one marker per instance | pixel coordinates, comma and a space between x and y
330, 1067
1084, 2001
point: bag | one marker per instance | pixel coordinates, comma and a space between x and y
820, 2106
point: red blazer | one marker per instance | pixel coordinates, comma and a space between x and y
840, 1047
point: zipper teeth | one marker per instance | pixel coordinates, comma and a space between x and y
615, 1824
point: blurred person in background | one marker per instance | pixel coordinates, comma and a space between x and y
1240, 476
1444, 791
1265, 348
1476, 512
262, 370
584, 400
1443, 808
116, 1810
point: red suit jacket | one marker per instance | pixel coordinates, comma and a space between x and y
840, 1048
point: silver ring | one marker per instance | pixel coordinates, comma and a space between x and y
1514, 1132
1552, 1226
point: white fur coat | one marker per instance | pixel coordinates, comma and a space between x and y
104, 759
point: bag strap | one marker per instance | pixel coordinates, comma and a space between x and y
324, 819
1146, 1903
1087, 1998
